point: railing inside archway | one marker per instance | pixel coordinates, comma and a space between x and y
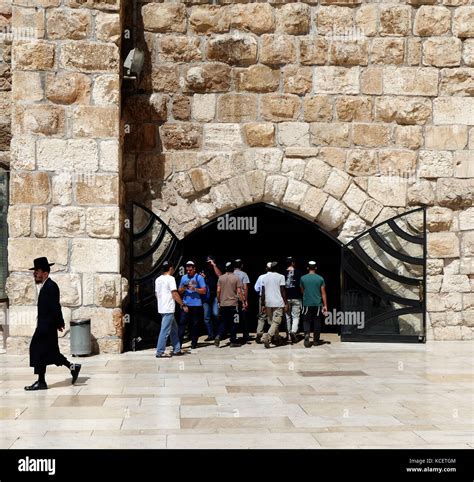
379, 277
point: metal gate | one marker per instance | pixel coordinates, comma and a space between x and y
151, 243
384, 281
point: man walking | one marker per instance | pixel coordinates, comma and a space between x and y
314, 304
211, 274
192, 286
262, 315
229, 292
293, 292
273, 301
44, 348
167, 296
243, 310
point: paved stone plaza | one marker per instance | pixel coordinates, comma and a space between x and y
339, 395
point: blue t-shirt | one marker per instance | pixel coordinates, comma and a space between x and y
192, 297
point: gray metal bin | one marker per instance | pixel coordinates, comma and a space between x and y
80, 337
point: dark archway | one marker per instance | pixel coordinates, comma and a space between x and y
278, 234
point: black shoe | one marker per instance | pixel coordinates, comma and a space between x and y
258, 339
319, 342
307, 342
194, 346
235, 345
163, 355
293, 337
210, 338
37, 386
266, 341
217, 341
75, 369
178, 353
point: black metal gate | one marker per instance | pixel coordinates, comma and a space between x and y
384, 282
151, 243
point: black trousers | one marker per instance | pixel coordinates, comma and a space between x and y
194, 317
40, 370
312, 321
227, 322
243, 322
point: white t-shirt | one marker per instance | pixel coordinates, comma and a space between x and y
272, 282
164, 285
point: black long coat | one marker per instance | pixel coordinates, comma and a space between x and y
44, 349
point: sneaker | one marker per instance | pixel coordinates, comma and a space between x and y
217, 341
307, 342
258, 339
293, 337
162, 355
235, 345
178, 353
75, 369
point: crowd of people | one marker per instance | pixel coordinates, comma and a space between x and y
218, 297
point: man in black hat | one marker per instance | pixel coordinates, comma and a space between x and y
44, 349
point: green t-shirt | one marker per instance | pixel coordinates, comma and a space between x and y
311, 283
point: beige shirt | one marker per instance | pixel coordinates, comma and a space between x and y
229, 283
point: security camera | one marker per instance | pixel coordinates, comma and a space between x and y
133, 64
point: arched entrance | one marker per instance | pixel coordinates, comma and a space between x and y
376, 283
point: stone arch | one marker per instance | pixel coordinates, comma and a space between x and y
199, 187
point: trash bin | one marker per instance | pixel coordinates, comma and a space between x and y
80, 337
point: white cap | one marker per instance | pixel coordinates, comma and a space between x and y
189, 263
269, 264
311, 263
228, 264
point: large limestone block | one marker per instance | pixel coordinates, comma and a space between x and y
209, 77
336, 80
206, 19
280, 107
445, 137
109, 157
107, 290
371, 80
221, 197
27, 87
62, 188
19, 221
64, 155
410, 137
463, 22
442, 52
443, 245
370, 210
432, 21
99, 189
275, 187
361, 162
22, 252
354, 108
63, 24
337, 183
371, 135
84, 56
353, 226
293, 134
467, 244
388, 190
260, 134
47, 120
21, 289
107, 27
410, 81
102, 320
297, 79
439, 219
294, 194
103, 222
68, 88
468, 52
30, 188
330, 134
164, 17
313, 202
233, 49
354, 198
222, 136
237, 108
313, 50
294, 167
257, 78
397, 162
456, 283
33, 55
333, 20
22, 321
95, 255
178, 48
466, 220
66, 222
395, 20
318, 108
182, 135
277, 49
333, 214
204, 107
436, 164
453, 110
22, 153
349, 53
256, 182
403, 110
317, 172
421, 194
293, 19
96, 121
254, 17
454, 193
458, 82
106, 90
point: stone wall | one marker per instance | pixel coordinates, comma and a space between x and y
5, 80
65, 186
346, 112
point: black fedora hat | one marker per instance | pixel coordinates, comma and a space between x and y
41, 263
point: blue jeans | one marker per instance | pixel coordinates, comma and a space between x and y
169, 327
211, 313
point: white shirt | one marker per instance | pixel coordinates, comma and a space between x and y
272, 282
164, 285
258, 284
